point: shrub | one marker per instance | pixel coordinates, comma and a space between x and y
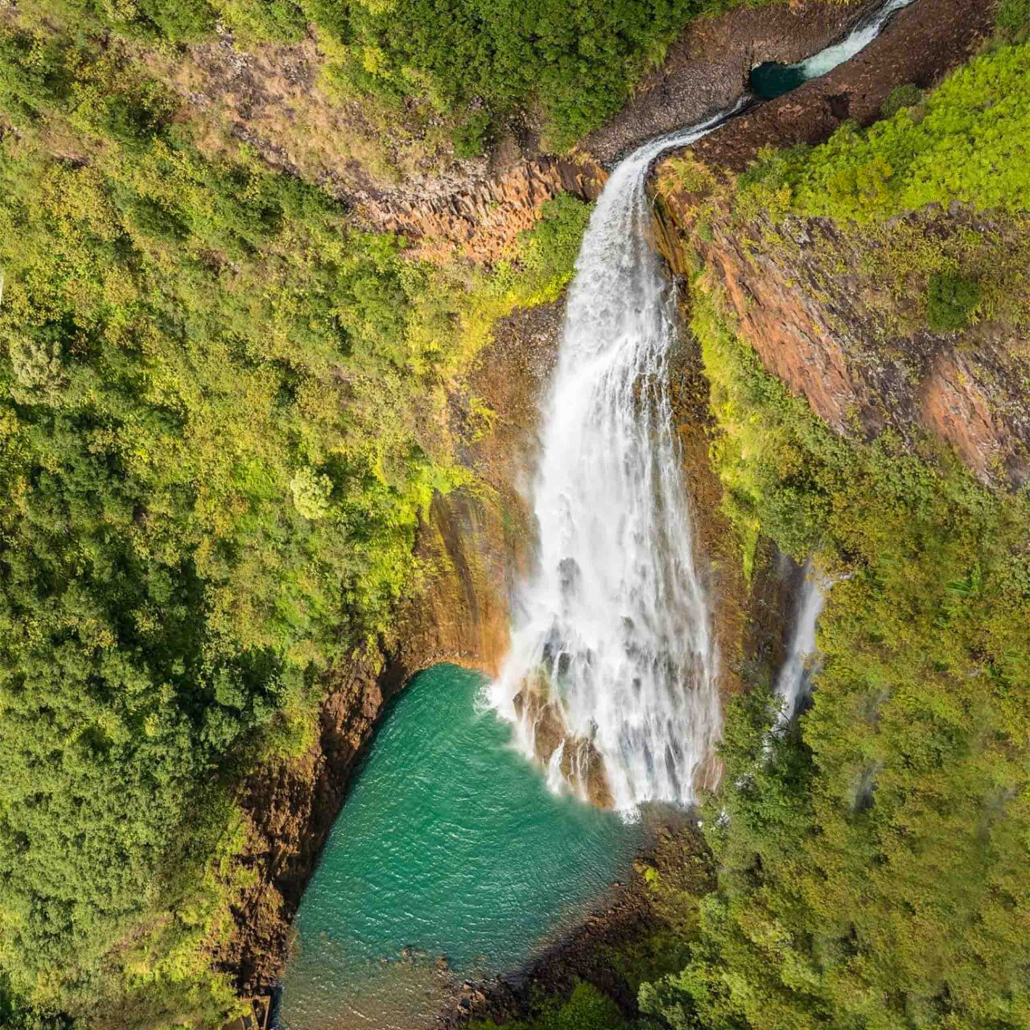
1014, 14
951, 300
901, 96
471, 139
923, 688
968, 142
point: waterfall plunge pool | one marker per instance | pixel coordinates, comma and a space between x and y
450, 844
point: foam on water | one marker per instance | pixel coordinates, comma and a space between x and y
450, 844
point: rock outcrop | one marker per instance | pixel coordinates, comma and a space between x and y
707, 69
483, 220
272, 99
815, 314
922, 43
581, 764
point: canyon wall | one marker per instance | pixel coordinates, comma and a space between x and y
276, 100
471, 546
822, 337
817, 303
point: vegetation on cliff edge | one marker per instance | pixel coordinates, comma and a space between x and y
872, 857
468, 62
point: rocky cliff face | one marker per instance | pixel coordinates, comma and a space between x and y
820, 317
273, 99
474, 544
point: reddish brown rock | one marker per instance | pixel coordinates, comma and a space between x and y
483, 221
954, 405
812, 306
581, 764
811, 313
472, 546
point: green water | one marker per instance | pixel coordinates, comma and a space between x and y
449, 844
771, 80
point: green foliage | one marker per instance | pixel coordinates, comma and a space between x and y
901, 96
413, 61
951, 301
549, 250
872, 858
15, 1015
579, 60
471, 138
1014, 15
586, 1009
219, 423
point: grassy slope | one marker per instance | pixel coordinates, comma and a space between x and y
433, 69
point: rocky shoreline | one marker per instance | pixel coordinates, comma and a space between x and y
629, 915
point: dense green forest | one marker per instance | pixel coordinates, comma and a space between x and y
221, 414
872, 860
475, 63
220, 405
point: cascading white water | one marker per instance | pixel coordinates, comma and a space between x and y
555, 780
796, 675
615, 620
615, 615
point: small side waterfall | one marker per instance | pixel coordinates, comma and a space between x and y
794, 681
772, 79
612, 639
555, 781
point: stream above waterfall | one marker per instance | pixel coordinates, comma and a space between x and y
772, 79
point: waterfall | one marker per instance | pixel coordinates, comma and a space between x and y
615, 621
613, 630
795, 677
555, 780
